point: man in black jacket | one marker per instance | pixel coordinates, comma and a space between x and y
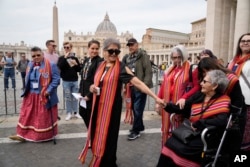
69, 66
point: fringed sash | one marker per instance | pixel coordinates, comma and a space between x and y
45, 79
180, 79
232, 81
104, 112
238, 61
220, 105
129, 117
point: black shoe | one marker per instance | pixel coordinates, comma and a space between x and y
133, 135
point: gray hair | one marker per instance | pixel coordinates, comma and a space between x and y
181, 50
219, 78
110, 41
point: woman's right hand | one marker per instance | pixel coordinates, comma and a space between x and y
181, 103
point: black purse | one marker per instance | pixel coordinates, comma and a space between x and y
184, 132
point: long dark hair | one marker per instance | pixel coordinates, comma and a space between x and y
238, 50
208, 63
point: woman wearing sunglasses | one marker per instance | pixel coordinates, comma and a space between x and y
40, 100
104, 124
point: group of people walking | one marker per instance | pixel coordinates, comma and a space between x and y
204, 100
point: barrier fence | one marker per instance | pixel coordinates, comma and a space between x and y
10, 100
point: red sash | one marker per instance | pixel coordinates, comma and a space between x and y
106, 101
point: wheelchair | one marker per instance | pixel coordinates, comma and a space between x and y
216, 153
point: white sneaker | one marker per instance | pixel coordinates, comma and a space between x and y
78, 116
68, 117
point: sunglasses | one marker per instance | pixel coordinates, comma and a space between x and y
38, 55
177, 57
112, 51
66, 47
205, 81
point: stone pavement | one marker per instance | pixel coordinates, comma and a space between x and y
142, 152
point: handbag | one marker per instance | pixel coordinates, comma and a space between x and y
184, 132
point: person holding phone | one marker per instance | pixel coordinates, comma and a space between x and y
69, 66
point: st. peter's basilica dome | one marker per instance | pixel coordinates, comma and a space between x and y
106, 28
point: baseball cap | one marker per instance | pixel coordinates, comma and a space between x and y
131, 41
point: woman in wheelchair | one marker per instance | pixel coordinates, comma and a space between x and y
209, 107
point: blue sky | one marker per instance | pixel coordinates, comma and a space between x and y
31, 20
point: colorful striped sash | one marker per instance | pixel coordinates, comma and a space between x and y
238, 61
179, 81
220, 105
104, 112
232, 81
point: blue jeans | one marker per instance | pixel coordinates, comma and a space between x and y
70, 87
139, 102
9, 73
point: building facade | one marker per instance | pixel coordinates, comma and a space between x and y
104, 30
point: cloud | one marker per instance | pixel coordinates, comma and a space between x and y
31, 21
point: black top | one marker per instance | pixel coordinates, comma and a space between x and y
87, 73
67, 72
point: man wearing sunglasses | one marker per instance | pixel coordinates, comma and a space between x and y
50, 53
139, 63
69, 66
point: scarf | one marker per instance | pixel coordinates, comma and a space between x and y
104, 107
179, 79
215, 106
45, 78
238, 63
232, 81
129, 117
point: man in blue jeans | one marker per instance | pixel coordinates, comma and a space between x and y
139, 63
9, 64
69, 66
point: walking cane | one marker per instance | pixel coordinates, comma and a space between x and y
51, 114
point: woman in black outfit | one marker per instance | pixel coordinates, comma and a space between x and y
87, 73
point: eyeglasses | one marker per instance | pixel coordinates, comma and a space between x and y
54, 46
177, 57
205, 81
38, 55
245, 41
66, 47
112, 51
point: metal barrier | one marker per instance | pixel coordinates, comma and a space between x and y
10, 101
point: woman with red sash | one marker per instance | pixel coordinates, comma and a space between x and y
209, 107
39, 101
104, 124
241, 66
174, 87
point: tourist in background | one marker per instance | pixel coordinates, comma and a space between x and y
87, 73
9, 64
69, 67
50, 53
40, 101
139, 63
21, 67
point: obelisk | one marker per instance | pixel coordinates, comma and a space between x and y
55, 27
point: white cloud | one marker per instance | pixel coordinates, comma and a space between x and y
31, 21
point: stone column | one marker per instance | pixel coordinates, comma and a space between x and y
231, 33
242, 24
213, 25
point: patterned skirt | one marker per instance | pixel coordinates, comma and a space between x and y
35, 121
